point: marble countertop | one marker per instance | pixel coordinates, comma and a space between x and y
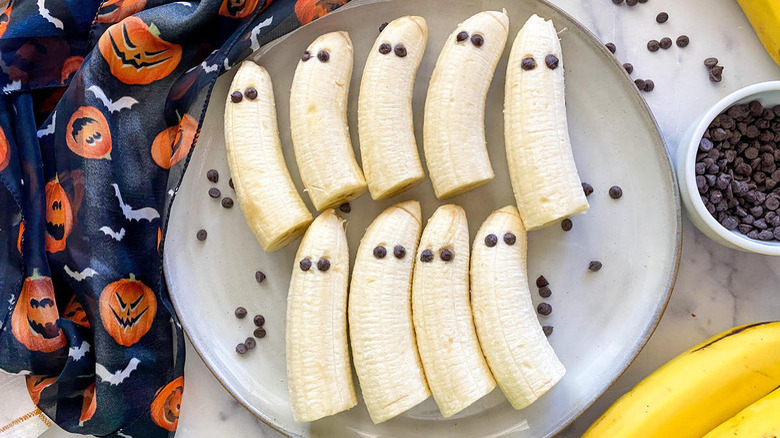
717, 287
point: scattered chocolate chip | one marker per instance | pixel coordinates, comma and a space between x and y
551, 61
462, 36
241, 348
545, 292
236, 96
305, 264
542, 282
665, 43
640, 83
446, 255
214, 192
259, 276
632, 2
683, 41
201, 235
566, 224
400, 50
212, 175
380, 252
548, 330
250, 343
426, 256
230, 183
399, 252
306, 56
711, 62
323, 56
323, 264
716, 73
240, 312
615, 192
385, 48
662, 17
510, 239
649, 85
611, 47
259, 333
617, 2
629, 68
345, 207
544, 309
491, 240
250, 93
383, 26
587, 188
653, 45
227, 202
478, 40
528, 63
594, 266
259, 320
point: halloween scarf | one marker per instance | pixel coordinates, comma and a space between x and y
100, 110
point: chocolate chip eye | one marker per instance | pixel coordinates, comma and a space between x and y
399, 251
462, 36
491, 240
250, 93
383, 26
478, 40
551, 61
323, 56
426, 256
306, 56
305, 264
400, 50
446, 255
380, 252
510, 239
323, 264
385, 48
236, 96
528, 63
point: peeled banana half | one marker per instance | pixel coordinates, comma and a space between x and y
385, 124
319, 375
520, 358
541, 164
318, 122
271, 205
700, 389
454, 126
384, 346
447, 341
760, 420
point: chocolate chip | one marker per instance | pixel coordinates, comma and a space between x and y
227, 202
617, 2
760, 224
544, 309
306, 56
640, 83
753, 234
629, 68
730, 223
632, 2
426, 256
383, 26
259, 276
323, 56
305, 264
772, 202
477, 39
665, 43
250, 93
653, 45
240, 312
491, 240
705, 145
400, 50
380, 252
594, 266
649, 85
345, 207
744, 228
711, 62
548, 329
250, 343
716, 73
587, 188
399, 252
230, 183
510, 239
766, 235
528, 63
385, 48
259, 320
236, 96
542, 282
214, 192
611, 46
566, 224
700, 168
201, 235
259, 333
446, 255
662, 17
212, 175
615, 192
545, 292
241, 348
683, 41
551, 61
323, 264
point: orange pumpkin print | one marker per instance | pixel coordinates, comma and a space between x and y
36, 385
59, 216
20, 238
70, 67
310, 10
237, 8
127, 309
174, 143
4, 17
167, 404
114, 11
34, 321
136, 54
88, 134
5, 150
88, 405
74, 311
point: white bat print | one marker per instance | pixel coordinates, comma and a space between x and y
209, 68
77, 353
80, 276
116, 235
13, 86
117, 377
49, 129
131, 214
256, 31
47, 15
125, 102
123, 435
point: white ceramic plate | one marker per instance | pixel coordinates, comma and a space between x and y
601, 319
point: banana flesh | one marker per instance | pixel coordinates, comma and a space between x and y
520, 358
381, 331
385, 124
319, 376
761, 419
271, 205
446, 339
541, 164
454, 127
318, 122
699, 389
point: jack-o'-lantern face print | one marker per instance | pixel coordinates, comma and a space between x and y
174, 143
127, 309
70, 67
167, 404
34, 321
4, 17
74, 311
36, 385
88, 405
88, 134
114, 11
310, 10
5, 150
59, 217
136, 54
237, 8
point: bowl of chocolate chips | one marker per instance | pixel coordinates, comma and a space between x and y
728, 169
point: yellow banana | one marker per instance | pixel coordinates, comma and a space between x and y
759, 420
764, 16
699, 389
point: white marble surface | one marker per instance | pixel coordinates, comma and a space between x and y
721, 287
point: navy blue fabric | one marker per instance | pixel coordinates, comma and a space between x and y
101, 107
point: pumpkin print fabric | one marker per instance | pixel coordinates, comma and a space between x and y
101, 106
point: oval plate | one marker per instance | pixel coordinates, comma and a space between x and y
601, 319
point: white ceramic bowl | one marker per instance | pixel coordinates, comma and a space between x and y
768, 93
